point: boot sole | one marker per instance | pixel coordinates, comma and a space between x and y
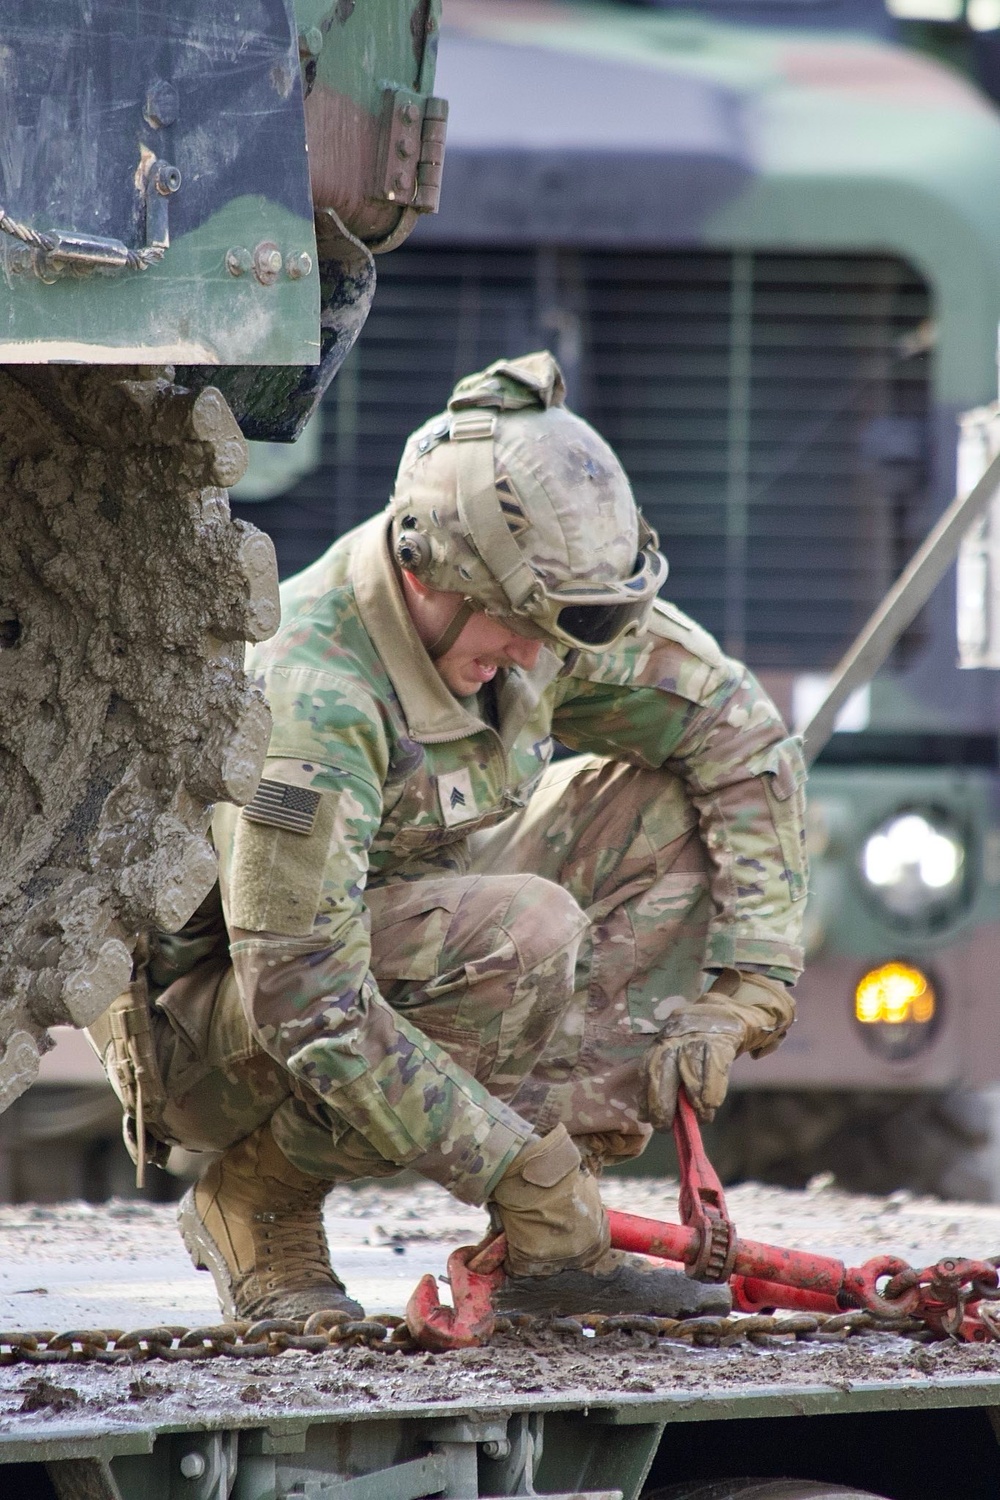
204, 1252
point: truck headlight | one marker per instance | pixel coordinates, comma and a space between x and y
914, 863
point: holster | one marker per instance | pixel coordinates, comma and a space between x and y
124, 1040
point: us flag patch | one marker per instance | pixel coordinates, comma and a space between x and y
276, 803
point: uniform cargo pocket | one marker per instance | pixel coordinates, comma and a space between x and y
276, 876
409, 925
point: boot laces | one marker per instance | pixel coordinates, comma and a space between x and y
297, 1251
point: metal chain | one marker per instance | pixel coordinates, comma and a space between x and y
271, 1336
771, 1329
236, 1340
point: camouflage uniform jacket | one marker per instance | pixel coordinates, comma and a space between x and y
387, 774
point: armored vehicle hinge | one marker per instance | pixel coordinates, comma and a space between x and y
411, 149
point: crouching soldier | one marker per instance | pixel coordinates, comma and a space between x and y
443, 950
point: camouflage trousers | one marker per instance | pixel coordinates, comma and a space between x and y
544, 971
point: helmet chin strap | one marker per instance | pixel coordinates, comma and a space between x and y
452, 630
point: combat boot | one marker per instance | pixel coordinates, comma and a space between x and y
256, 1222
558, 1256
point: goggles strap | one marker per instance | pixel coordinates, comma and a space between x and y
483, 522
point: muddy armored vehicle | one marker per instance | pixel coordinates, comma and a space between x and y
191, 197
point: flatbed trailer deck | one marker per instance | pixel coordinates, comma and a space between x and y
538, 1411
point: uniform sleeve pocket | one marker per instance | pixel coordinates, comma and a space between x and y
784, 777
276, 876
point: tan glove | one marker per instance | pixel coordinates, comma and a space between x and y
700, 1042
607, 1148
550, 1209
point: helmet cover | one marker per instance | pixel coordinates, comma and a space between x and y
517, 504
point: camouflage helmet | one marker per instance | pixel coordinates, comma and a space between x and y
517, 504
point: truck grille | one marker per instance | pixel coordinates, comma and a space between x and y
773, 411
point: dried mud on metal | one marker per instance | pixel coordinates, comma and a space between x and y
360, 1382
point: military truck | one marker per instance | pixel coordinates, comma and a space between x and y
768, 263
769, 259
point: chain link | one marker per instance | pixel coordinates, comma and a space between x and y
773, 1329
272, 1336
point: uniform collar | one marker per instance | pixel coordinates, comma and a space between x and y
432, 713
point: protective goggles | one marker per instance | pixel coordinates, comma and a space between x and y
585, 616
592, 617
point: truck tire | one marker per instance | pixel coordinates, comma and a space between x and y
762, 1489
872, 1143
126, 595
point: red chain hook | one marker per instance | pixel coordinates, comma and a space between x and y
946, 1296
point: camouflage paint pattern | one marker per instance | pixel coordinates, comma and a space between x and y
272, 114
401, 917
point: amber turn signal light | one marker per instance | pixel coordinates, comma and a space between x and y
897, 1007
893, 994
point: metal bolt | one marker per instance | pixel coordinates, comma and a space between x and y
162, 104
238, 261
310, 41
297, 266
266, 262
408, 114
404, 148
193, 1465
399, 181
168, 179
496, 1448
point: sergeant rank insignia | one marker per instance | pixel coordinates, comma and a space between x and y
456, 797
276, 803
